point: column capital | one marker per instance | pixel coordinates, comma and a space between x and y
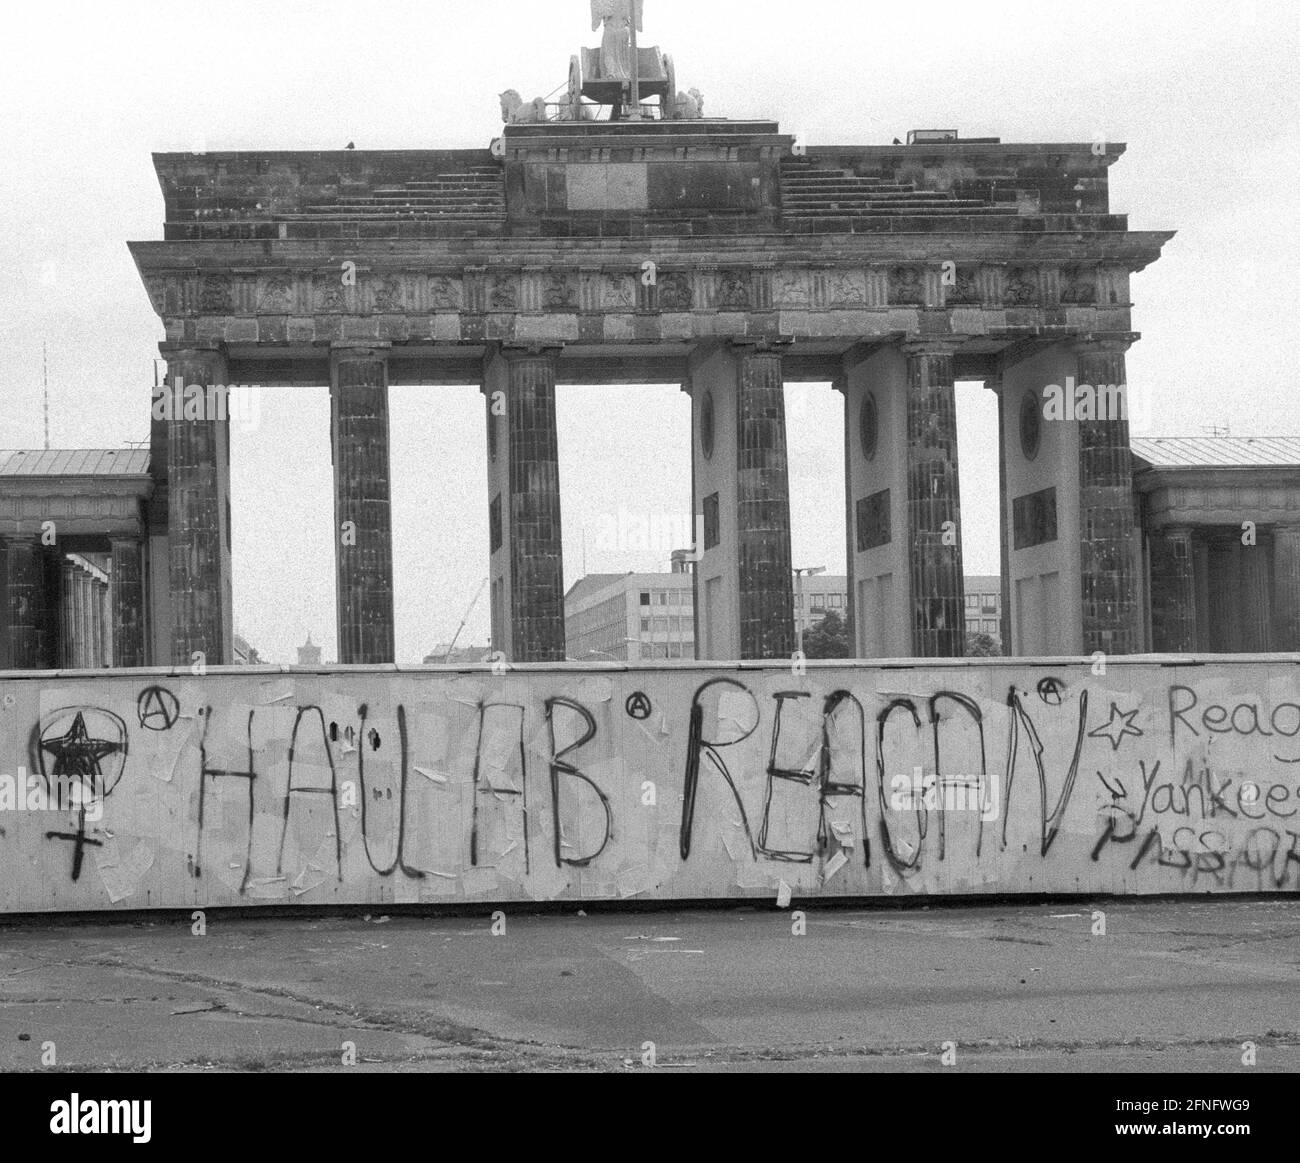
192, 349
760, 345
541, 350
1103, 342
923, 346
361, 350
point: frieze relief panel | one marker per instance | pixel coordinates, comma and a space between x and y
791, 288
906, 287
502, 292
618, 292
559, 291
445, 293
1079, 286
215, 295
1020, 288
675, 291
327, 288
846, 288
387, 294
274, 294
734, 291
965, 288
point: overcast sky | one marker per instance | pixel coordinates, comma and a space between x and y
1203, 93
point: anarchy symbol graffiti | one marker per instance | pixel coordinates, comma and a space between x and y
157, 708
638, 705
1050, 691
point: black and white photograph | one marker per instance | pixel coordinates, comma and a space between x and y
650, 537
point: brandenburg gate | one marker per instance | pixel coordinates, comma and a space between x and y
621, 236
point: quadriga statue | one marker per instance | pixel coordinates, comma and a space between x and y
515, 111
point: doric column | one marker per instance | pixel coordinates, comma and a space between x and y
744, 607
1236, 596
68, 615
78, 618
25, 584
94, 588
362, 505
525, 530
128, 602
934, 504
851, 614
106, 622
1173, 590
198, 507
85, 605
1201, 584
1110, 606
1255, 629
763, 508
995, 385
1286, 587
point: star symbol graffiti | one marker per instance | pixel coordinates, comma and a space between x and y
1119, 725
77, 754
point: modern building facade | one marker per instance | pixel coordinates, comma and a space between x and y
984, 606
635, 617
630, 617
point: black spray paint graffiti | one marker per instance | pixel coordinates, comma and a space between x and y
78, 763
560, 766
371, 739
247, 777
837, 708
295, 789
816, 767
157, 709
1050, 821
697, 746
901, 865
1197, 846
971, 786
482, 787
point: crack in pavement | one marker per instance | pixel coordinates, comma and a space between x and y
396, 1022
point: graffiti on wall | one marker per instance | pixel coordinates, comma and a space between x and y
685, 783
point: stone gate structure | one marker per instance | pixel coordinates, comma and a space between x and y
707, 252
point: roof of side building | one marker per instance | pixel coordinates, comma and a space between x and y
54, 462
1217, 451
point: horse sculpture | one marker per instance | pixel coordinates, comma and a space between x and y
514, 111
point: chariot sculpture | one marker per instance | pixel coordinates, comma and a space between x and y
605, 76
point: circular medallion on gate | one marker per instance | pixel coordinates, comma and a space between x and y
1031, 425
706, 425
869, 425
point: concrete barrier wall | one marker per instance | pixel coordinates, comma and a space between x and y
157, 790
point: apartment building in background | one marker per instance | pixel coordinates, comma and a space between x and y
647, 617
